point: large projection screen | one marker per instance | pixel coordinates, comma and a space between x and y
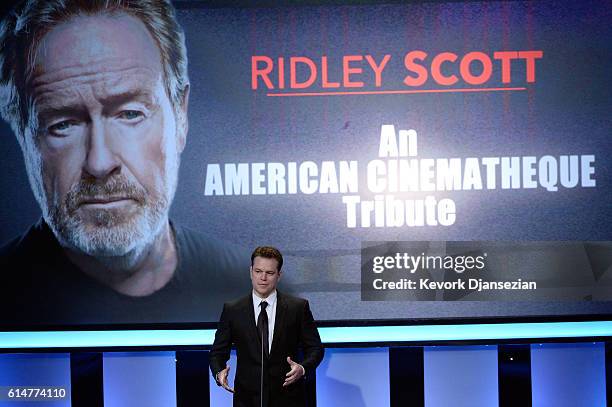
412, 161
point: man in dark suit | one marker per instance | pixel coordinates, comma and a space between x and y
267, 327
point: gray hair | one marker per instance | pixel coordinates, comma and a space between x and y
24, 27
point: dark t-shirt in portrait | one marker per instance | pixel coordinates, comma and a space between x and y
41, 286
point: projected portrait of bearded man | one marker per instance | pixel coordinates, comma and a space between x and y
96, 93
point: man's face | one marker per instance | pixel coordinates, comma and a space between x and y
264, 275
104, 161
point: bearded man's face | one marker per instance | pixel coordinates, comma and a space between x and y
103, 159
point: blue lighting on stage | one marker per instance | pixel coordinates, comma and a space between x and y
336, 335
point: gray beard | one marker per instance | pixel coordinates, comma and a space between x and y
120, 242
116, 243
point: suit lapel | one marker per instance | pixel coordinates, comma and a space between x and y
252, 326
279, 322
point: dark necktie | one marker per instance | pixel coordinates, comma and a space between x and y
262, 326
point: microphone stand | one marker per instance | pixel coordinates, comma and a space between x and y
262, 366
262, 370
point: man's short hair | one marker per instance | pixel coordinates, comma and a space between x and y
269, 253
23, 28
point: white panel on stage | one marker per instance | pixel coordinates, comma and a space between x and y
354, 378
139, 379
568, 375
35, 370
219, 397
461, 376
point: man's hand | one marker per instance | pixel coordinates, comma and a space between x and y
295, 373
222, 378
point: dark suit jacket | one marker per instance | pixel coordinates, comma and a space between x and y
294, 327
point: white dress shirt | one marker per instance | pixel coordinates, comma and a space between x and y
270, 310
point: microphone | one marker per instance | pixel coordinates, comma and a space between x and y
264, 331
263, 328
262, 370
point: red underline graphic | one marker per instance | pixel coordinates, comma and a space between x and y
393, 92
